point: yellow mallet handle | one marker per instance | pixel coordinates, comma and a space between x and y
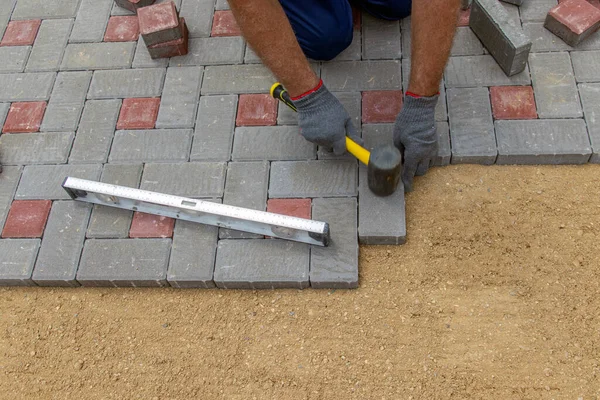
362, 154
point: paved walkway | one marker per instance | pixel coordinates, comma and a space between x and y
86, 100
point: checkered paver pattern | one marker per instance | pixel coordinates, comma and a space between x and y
80, 96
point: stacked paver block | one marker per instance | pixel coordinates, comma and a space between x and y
163, 31
503, 38
134, 5
573, 21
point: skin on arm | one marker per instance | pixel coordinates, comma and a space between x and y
433, 24
268, 32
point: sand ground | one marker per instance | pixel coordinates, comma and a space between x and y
495, 295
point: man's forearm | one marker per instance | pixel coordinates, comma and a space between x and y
433, 23
269, 33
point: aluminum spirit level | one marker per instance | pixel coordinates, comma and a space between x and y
204, 212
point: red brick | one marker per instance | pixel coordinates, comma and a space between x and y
293, 207
24, 117
21, 33
356, 18
381, 105
224, 24
595, 3
151, 226
513, 102
463, 17
122, 29
172, 48
159, 23
573, 20
27, 219
256, 110
138, 113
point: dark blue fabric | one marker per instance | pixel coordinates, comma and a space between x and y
324, 27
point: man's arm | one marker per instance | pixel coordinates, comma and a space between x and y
433, 23
268, 31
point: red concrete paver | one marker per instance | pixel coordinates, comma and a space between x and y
381, 105
224, 24
151, 226
138, 113
27, 219
293, 207
24, 117
463, 17
356, 18
573, 20
172, 48
122, 29
21, 33
256, 110
513, 102
159, 23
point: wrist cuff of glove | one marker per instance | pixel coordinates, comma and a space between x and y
418, 96
309, 92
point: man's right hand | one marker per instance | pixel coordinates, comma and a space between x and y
323, 119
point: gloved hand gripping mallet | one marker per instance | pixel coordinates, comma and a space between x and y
384, 163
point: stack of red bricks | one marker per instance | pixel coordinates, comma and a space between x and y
574, 20
163, 31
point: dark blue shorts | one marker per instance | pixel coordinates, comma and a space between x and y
324, 27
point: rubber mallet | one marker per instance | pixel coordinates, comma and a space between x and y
384, 163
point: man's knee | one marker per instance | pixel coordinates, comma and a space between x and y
327, 43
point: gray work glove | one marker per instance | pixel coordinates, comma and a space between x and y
324, 121
416, 137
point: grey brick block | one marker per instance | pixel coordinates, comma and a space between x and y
59, 254
466, 43
554, 85
352, 102
222, 5
362, 75
285, 115
35, 9
110, 222
405, 31
515, 2
471, 126
180, 97
261, 264
501, 35
6, 9
444, 151
543, 142
49, 45
35, 148
336, 266
246, 186
4, 107
213, 135
17, 257
586, 65
542, 39
473, 71
124, 262
326, 178
193, 254
13, 58
66, 101
212, 51
122, 84
45, 181
382, 220
9, 179
91, 21
116, 10
159, 145
96, 130
105, 55
197, 180
590, 97
142, 57
352, 52
272, 143
536, 10
380, 39
198, 16
441, 112
251, 57
236, 79
26, 87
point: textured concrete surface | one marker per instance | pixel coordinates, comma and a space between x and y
209, 141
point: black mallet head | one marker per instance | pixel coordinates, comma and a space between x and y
384, 170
